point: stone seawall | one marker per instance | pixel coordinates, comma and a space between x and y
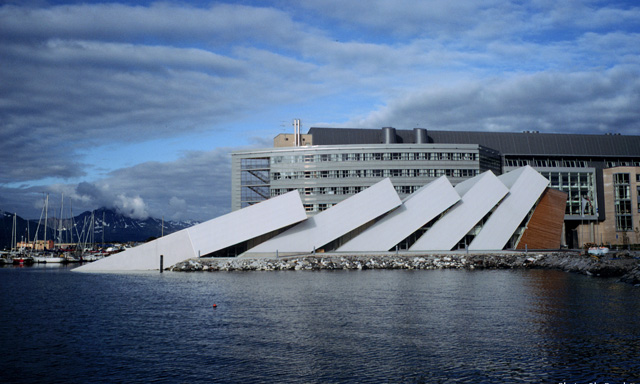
623, 265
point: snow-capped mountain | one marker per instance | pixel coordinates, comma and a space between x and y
113, 226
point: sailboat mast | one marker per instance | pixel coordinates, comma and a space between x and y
46, 212
14, 244
61, 213
103, 228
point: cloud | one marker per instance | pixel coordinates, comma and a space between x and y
196, 186
596, 102
133, 207
218, 25
79, 76
91, 93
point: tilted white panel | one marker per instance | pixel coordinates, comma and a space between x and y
336, 221
210, 236
479, 195
525, 188
248, 223
175, 247
416, 210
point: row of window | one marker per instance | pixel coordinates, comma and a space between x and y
546, 163
623, 163
317, 207
376, 173
580, 188
383, 156
254, 163
568, 181
351, 190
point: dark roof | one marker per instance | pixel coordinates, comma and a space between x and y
507, 143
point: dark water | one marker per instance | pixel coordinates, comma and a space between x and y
317, 327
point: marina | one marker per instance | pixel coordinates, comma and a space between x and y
65, 247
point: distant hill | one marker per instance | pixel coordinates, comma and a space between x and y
115, 227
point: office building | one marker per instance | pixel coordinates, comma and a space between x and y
327, 165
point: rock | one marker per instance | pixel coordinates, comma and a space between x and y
625, 265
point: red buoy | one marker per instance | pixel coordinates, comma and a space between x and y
215, 305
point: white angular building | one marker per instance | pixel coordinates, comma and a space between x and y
487, 212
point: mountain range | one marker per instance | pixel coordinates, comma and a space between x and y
108, 227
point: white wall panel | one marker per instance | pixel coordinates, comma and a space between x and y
336, 221
416, 210
479, 195
210, 236
525, 188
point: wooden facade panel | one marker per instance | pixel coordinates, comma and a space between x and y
544, 230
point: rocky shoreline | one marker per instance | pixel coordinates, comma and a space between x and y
623, 265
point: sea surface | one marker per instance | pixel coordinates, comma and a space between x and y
371, 326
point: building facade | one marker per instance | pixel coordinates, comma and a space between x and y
332, 164
622, 208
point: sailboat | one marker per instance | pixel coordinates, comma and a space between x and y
46, 257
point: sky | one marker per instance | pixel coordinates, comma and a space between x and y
137, 105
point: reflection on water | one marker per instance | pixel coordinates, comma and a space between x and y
347, 326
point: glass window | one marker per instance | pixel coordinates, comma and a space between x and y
621, 192
622, 201
621, 178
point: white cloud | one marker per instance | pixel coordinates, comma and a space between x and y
131, 206
546, 101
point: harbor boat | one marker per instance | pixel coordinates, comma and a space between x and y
70, 258
22, 260
4, 258
49, 258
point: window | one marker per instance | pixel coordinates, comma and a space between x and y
621, 178
622, 201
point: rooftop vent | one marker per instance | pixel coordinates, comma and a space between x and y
420, 135
388, 135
